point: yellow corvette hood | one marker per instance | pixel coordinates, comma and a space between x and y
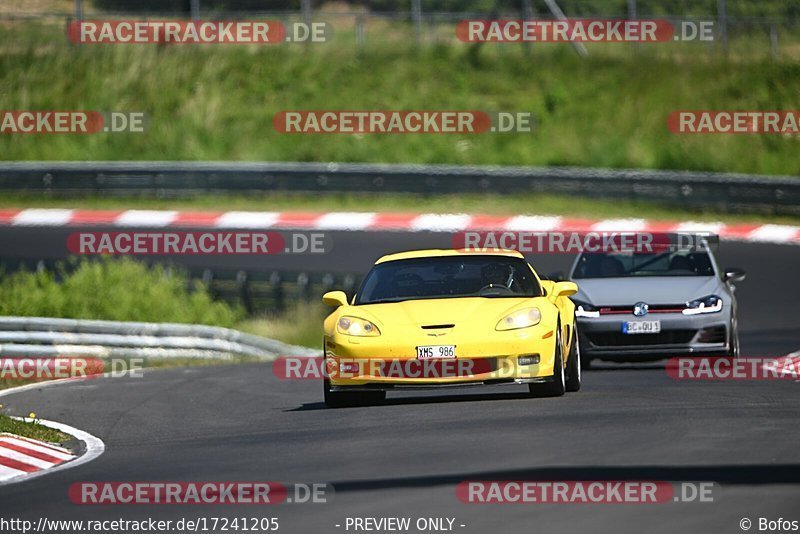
458, 311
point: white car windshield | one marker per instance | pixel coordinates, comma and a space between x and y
677, 263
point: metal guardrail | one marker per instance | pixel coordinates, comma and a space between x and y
727, 192
44, 337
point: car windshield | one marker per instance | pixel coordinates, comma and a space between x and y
620, 265
466, 275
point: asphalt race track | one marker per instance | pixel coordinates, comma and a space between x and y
405, 458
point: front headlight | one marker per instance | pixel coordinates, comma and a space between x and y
353, 326
520, 319
709, 304
584, 309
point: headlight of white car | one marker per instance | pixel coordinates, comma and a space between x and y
353, 326
584, 309
709, 304
520, 319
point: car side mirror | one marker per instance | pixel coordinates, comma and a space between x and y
565, 289
732, 274
556, 276
335, 298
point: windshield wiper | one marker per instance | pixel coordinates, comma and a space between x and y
385, 301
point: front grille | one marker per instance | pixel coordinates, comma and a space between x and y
653, 308
618, 339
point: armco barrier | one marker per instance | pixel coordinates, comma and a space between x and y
44, 337
726, 192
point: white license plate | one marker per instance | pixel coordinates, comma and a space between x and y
434, 352
641, 327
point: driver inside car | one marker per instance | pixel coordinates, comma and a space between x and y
497, 274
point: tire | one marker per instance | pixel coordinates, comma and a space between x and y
557, 387
347, 399
573, 382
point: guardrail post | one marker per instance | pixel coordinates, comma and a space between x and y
632, 16
361, 35
304, 286
527, 14
349, 286
277, 291
244, 291
416, 15
328, 282
722, 21
208, 281
305, 7
208, 277
195, 9
773, 40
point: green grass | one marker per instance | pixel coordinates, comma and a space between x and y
528, 203
169, 363
217, 102
31, 429
300, 324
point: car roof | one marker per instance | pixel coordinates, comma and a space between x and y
438, 252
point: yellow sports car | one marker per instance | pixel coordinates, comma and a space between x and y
434, 318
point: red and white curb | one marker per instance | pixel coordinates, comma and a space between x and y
373, 221
22, 456
23, 459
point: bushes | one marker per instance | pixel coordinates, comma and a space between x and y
113, 289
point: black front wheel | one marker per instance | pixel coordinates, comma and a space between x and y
574, 362
557, 386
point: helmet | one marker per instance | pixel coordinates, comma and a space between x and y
495, 274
